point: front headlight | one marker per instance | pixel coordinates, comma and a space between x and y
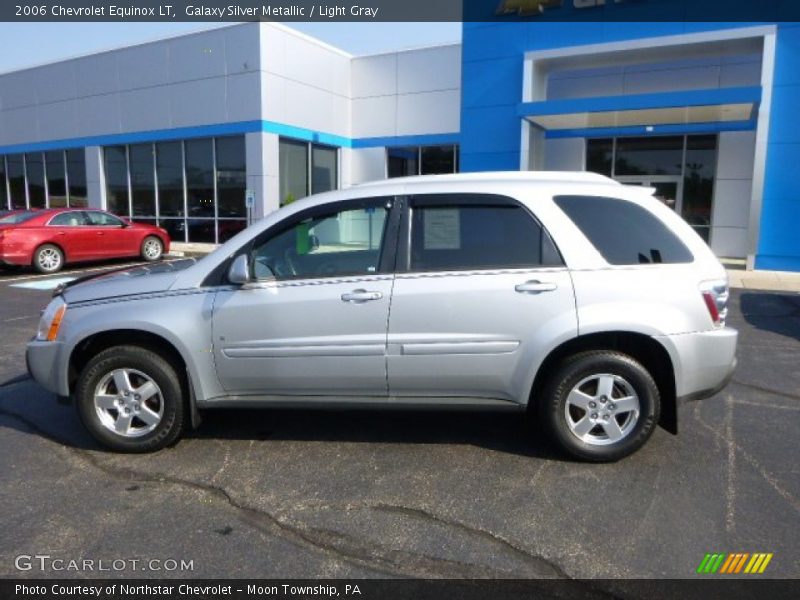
51, 319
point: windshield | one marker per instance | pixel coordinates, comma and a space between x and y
18, 217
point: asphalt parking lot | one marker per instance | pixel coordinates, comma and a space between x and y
299, 494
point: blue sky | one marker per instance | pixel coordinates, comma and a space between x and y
26, 44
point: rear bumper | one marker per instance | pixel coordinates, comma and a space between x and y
11, 255
704, 361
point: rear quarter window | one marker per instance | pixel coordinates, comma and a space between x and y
623, 232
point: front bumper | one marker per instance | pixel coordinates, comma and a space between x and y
43, 364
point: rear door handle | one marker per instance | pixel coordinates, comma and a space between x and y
535, 287
359, 296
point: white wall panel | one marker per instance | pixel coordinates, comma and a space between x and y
740, 74
197, 102
373, 117
98, 115
581, 87
242, 54
18, 89
564, 154
134, 115
21, 125
667, 80
367, 164
57, 121
428, 112
429, 69
374, 75
96, 74
143, 66
729, 242
736, 154
197, 56
55, 82
732, 199
242, 96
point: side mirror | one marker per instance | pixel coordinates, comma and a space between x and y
239, 271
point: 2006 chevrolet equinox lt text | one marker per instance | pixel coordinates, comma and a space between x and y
588, 302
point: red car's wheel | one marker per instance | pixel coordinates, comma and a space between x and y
48, 258
152, 248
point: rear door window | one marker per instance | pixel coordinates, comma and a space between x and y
623, 232
474, 231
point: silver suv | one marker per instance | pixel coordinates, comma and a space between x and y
586, 302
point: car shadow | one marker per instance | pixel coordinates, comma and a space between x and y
511, 433
28, 408
773, 312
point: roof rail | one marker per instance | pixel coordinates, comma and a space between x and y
532, 176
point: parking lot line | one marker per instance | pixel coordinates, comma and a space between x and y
75, 272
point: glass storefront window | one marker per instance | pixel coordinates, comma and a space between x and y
195, 189
437, 160
698, 182
56, 179
599, 154
116, 163
16, 180
34, 169
323, 169
3, 189
199, 178
169, 168
402, 161
293, 165
657, 155
76, 175
231, 177
143, 183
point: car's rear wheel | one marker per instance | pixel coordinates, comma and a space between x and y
600, 406
48, 259
131, 399
152, 248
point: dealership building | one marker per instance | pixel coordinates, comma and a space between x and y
199, 132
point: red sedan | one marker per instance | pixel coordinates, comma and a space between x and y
49, 239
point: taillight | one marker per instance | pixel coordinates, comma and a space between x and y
715, 295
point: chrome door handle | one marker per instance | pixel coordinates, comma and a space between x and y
359, 296
535, 287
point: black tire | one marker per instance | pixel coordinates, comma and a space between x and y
170, 400
147, 252
48, 258
555, 415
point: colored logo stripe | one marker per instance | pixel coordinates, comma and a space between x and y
734, 563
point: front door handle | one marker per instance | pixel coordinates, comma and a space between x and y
535, 287
359, 296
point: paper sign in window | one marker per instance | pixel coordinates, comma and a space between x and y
442, 229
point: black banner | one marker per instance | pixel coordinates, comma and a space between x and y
399, 10
733, 588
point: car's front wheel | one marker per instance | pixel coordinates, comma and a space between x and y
131, 399
48, 259
152, 248
600, 406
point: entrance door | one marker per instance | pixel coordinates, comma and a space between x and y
669, 188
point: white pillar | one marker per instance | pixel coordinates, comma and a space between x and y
261, 150
95, 177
